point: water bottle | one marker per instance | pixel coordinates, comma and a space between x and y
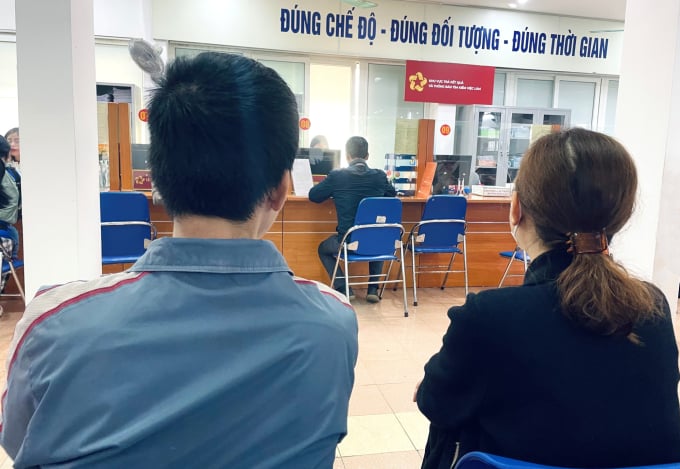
104, 180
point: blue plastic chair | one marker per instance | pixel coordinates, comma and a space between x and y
375, 236
440, 231
10, 264
516, 255
126, 227
479, 460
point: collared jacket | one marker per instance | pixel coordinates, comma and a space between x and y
206, 353
348, 186
10, 213
517, 378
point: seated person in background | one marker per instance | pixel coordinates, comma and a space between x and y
347, 187
319, 141
14, 157
207, 352
578, 367
10, 198
12, 161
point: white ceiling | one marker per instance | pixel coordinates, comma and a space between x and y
602, 9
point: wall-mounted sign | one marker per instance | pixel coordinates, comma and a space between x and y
305, 123
434, 82
143, 115
398, 29
445, 129
141, 179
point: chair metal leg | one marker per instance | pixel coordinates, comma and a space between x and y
387, 277
507, 269
413, 271
335, 270
394, 288
403, 279
446, 275
465, 264
344, 246
16, 280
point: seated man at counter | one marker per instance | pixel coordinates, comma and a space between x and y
347, 187
207, 352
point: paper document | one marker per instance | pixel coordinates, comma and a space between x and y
302, 176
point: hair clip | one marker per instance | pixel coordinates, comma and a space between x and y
588, 243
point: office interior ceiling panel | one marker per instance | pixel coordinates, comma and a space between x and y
601, 9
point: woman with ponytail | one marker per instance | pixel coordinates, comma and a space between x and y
578, 367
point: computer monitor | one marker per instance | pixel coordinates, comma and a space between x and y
321, 160
450, 170
141, 175
140, 155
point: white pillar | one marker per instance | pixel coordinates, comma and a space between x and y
58, 121
648, 124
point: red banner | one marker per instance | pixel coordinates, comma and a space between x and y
435, 82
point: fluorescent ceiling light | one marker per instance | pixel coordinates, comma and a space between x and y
361, 3
512, 5
522, 2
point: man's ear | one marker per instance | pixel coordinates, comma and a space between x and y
278, 196
515, 210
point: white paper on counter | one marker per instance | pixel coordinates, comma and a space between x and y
302, 176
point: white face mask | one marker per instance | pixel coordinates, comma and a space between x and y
513, 229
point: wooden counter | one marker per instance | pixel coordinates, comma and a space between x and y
302, 225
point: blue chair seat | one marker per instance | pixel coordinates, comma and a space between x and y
119, 259
437, 250
17, 264
515, 255
519, 255
368, 258
480, 460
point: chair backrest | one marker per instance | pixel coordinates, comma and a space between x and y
376, 211
443, 207
480, 460
124, 239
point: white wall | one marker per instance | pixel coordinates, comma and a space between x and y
121, 19
113, 63
112, 18
7, 18
9, 107
647, 123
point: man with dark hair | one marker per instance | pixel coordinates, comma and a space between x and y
347, 187
207, 352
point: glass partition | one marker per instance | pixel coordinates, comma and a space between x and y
534, 93
579, 96
386, 110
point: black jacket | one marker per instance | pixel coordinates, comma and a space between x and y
348, 186
516, 378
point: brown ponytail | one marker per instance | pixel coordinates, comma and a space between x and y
579, 181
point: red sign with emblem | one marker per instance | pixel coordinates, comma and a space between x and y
435, 82
143, 115
305, 123
445, 129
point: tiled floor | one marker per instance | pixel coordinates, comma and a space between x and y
386, 431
